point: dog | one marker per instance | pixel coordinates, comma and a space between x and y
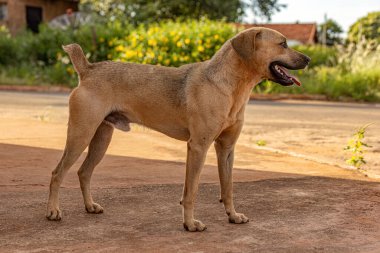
200, 103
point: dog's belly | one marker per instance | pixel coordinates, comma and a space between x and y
122, 122
181, 134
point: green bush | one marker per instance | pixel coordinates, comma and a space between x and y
336, 84
173, 43
9, 53
340, 72
43, 56
333, 83
167, 43
319, 54
353, 73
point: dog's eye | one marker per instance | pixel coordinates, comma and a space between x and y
284, 44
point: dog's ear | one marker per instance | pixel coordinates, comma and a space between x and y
244, 43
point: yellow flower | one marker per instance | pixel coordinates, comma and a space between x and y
130, 54
201, 48
176, 38
187, 41
134, 41
167, 62
150, 54
119, 48
109, 56
216, 36
152, 42
179, 44
111, 42
140, 54
175, 57
101, 39
70, 70
160, 58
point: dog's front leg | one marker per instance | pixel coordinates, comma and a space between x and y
196, 154
225, 146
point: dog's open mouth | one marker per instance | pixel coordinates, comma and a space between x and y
281, 74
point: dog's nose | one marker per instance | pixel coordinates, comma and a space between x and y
307, 59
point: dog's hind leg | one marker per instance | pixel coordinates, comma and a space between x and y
224, 146
85, 117
96, 151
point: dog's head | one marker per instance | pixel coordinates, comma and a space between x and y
266, 52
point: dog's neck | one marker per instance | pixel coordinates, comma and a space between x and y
233, 78
227, 70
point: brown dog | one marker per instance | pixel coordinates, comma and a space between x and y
199, 103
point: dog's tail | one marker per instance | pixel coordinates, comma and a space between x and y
78, 58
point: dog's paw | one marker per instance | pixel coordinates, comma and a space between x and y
195, 226
238, 218
53, 213
94, 208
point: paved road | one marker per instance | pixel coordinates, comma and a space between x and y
297, 199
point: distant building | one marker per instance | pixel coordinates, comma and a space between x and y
20, 14
297, 33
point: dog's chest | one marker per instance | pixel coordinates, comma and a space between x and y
237, 107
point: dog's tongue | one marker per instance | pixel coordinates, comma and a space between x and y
290, 76
295, 80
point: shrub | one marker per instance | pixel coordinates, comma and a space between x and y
352, 71
173, 43
319, 54
98, 40
8, 49
353, 74
42, 53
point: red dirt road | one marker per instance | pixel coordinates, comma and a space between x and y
288, 212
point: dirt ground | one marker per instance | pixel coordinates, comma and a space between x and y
296, 203
288, 212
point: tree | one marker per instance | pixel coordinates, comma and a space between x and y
367, 27
146, 11
265, 8
331, 31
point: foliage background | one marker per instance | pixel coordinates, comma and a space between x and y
340, 72
367, 27
173, 43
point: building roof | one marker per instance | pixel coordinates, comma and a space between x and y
305, 33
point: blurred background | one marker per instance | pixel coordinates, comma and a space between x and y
342, 38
